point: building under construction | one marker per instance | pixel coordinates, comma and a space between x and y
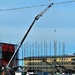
42, 57
51, 64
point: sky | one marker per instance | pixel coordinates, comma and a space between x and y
60, 17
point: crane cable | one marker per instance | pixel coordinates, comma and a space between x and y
36, 6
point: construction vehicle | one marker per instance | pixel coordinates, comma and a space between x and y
7, 70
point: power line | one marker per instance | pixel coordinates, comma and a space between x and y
65, 2
36, 6
23, 7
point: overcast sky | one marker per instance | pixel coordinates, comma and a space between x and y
14, 23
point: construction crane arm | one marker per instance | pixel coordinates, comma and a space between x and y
36, 18
39, 15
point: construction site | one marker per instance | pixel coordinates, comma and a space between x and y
37, 58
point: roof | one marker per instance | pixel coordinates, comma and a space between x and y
40, 57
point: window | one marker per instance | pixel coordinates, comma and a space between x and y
66, 58
73, 63
60, 58
73, 59
74, 67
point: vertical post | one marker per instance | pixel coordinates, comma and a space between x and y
41, 49
38, 57
59, 48
46, 56
55, 51
30, 57
44, 48
44, 52
27, 52
22, 55
41, 55
50, 55
63, 48
33, 54
63, 53
36, 52
50, 49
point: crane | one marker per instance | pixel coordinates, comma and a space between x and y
16, 51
